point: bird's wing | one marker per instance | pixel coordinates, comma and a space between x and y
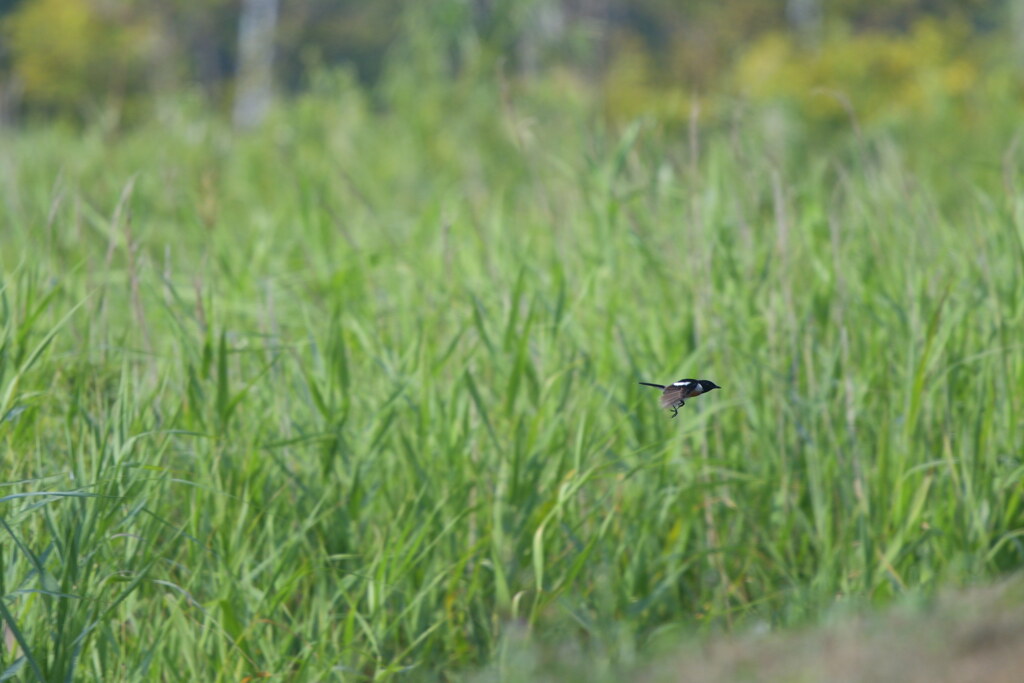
672, 396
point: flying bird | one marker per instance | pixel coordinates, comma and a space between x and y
674, 395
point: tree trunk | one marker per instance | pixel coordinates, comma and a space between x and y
254, 80
546, 27
805, 18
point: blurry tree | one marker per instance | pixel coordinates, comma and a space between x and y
201, 42
73, 56
314, 34
1017, 31
923, 74
546, 28
8, 86
900, 15
69, 56
254, 83
688, 45
805, 16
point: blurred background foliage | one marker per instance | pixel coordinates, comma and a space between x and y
903, 62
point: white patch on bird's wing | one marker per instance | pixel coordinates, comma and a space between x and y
681, 384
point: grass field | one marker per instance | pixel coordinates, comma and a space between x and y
355, 396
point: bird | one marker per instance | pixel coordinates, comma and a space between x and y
674, 395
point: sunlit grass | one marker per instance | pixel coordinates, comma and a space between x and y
357, 394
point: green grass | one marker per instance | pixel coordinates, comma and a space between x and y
356, 395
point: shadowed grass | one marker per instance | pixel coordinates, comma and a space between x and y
959, 636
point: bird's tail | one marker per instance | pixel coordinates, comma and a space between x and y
657, 386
